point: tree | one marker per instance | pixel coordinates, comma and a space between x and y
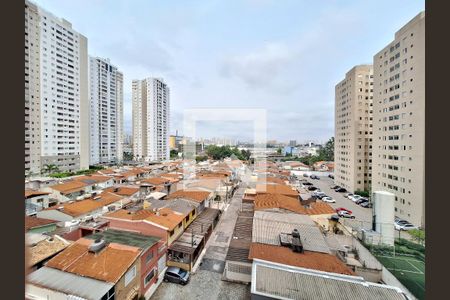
50, 169
326, 153
200, 158
173, 153
279, 151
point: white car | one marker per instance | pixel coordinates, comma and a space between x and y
355, 198
407, 226
348, 195
328, 199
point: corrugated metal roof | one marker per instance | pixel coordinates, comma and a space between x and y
286, 282
267, 227
69, 283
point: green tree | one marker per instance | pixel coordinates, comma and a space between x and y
173, 153
50, 169
279, 151
326, 153
200, 158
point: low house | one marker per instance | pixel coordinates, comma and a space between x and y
98, 182
35, 201
69, 190
327, 166
116, 265
41, 248
202, 198
83, 209
152, 256
163, 185
164, 223
39, 225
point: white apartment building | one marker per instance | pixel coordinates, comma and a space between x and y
151, 111
56, 93
399, 120
353, 129
106, 105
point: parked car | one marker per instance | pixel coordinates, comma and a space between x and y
348, 195
328, 199
331, 176
367, 204
312, 188
333, 187
305, 175
361, 200
176, 275
401, 222
340, 190
345, 214
407, 226
307, 183
342, 208
318, 194
355, 198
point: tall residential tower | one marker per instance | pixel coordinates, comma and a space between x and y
353, 129
399, 120
106, 102
56, 93
151, 110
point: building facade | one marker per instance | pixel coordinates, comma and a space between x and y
353, 129
106, 104
399, 120
56, 93
151, 111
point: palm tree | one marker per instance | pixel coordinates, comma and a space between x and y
50, 169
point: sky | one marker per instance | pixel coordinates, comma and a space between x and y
284, 56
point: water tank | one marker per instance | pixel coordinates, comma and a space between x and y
384, 215
97, 245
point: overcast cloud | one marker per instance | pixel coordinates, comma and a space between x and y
283, 56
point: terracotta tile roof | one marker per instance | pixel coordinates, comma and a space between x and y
273, 180
171, 175
31, 193
211, 184
89, 178
275, 189
69, 186
267, 201
319, 208
109, 265
156, 180
197, 196
33, 222
122, 190
82, 207
167, 218
308, 259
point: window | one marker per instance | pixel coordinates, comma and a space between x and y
149, 277
130, 275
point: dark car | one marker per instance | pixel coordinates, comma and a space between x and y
366, 204
331, 176
307, 183
362, 200
341, 190
176, 275
335, 187
305, 175
312, 188
321, 196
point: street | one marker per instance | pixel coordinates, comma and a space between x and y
205, 282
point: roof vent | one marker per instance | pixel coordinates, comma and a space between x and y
97, 245
116, 190
296, 242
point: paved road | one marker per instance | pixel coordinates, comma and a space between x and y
206, 282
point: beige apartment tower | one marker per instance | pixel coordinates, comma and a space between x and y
399, 121
353, 129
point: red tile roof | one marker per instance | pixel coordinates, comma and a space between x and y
33, 222
197, 196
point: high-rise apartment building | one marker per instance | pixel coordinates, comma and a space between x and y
399, 120
56, 93
151, 110
353, 129
106, 102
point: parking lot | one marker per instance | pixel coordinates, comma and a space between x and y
325, 184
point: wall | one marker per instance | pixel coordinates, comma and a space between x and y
124, 292
147, 267
43, 229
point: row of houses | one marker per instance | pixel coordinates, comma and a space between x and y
106, 236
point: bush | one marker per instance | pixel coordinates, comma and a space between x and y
363, 193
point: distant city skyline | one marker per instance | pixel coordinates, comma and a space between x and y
284, 56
